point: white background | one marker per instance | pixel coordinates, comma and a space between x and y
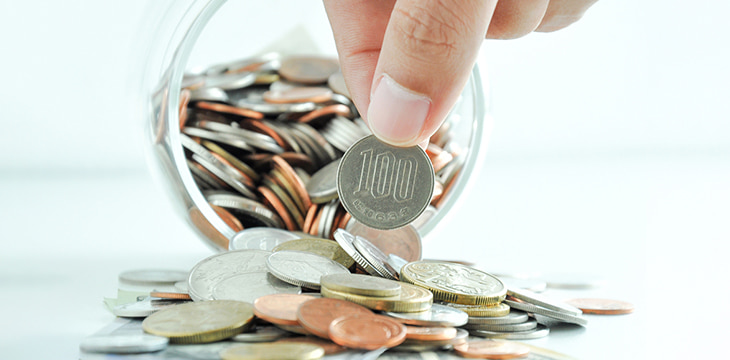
610, 156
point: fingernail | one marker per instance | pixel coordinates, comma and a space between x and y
396, 115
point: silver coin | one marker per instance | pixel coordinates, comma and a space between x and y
263, 107
534, 285
336, 82
543, 301
182, 286
523, 326
204, 179
383, 186
530, 308
322, 186
422, 347
209, 94
539, 332
261, 334
514, 317
142, 308
244, 208
218, 137
374, 256
250, 286
297, 329
236, 181
302, 268
230, 81
437, 315
266, 62
345, 239
361, 284
124, 344
396, 262
409, 246
152, 276
210, 271
261, 238
425, 217
257, 140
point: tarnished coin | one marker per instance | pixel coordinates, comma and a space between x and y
411, 299
250, 286
376, 258
455, 283
407, 247
543, 301
539, 332
437, 315
308, 69
557, 315
317, 314
261, 334
498, 310
279, 308
211, 270
383, 186
123, 344
602, 306
361, 285
322, 186
200, 322
491, 349
513, 317
261, 238
529, 324
323, 247
273, 351
367, 332
154, 277
302, 268
430, 333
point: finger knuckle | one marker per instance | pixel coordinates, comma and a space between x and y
432, 31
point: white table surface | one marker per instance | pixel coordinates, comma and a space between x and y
654, 227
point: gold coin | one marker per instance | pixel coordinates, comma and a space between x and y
235, 162
200, 322
272, 351
411, 299
365, 285
327, 248
455, 283
500, 309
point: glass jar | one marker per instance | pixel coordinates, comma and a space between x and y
183, 35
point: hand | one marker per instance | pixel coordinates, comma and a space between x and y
405, 62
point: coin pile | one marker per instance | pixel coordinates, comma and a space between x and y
264, 137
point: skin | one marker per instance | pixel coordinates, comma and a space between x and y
427, 48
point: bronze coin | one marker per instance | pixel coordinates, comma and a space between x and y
228, 218
170, 295
316, 315
273, 201
430, 333
279, 309
228, 109
294, 180
367, 332
404, 242
183, 109
492, 349
330, 110
602, 306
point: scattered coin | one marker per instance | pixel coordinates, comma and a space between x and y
523, 326
261, 238
407, 247
170, 295
455, 283
539, 332
261, 334
200, 322
530, 308
396, 262
279, 308
543, 301
154, 277
497, 310
323, 247
367, 332
430, 333
273, 351
211, 270
383, 186
361, 285
302, 268
491, 349
375, 257
329, 347
411, 299
316, 315
124, 344
437, 315
141, 309
322, 186
602, 306
250, 286
513, 317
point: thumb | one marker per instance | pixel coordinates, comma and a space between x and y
428, 51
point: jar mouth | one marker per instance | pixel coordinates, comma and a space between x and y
170, 156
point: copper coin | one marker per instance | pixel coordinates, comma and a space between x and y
298, 94
278, 206
602, 306
438, 190
294, 180
329, 347
404, 242
308, 69
430, 333
309, 218
183, 109
279, 308
337, 109
170, 295
245, 179
285, 199
228, 218
228, 109
492, 349
317, 314
278, 178
262, 128
367, 332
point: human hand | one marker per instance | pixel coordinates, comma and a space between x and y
405, 62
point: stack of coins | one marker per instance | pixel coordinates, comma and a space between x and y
264, 136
